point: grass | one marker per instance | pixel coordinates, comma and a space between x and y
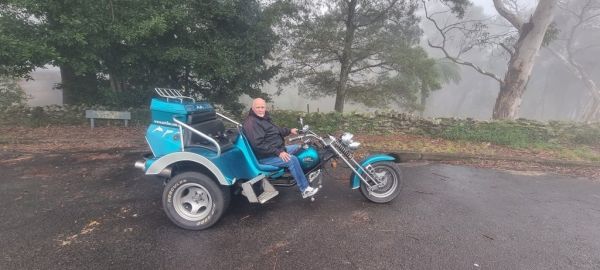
578, 153
499, 133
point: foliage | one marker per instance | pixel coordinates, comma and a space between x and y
572, 139
361, 51
107, 48
10, 93
23, 47
55, 115
498, 132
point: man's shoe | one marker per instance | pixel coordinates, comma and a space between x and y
309, 192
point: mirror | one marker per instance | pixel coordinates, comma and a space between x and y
305, 128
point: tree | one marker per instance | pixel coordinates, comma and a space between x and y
529, 37
10, 93
22, 48
361, 50
215, 49
580, 16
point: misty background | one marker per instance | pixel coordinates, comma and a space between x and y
553, 92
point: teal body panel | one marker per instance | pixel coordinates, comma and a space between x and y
163, 139
162, 134
231, 163
355, 180
254, 168
308, 158
163, 111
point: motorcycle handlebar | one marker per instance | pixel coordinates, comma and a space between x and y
296, 138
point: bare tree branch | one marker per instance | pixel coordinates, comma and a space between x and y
368, 67
454, 59
466, 63
567, 58
509, 50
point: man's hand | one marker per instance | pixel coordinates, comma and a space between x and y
294, 131
285, 156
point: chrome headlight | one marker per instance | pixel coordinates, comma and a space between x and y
353, 145
346, 139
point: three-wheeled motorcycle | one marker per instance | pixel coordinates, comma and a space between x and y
203, 163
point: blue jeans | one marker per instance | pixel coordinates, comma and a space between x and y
293, 165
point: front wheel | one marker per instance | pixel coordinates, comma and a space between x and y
194, 201
390, 178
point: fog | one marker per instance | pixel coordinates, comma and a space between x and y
553, 92
40, 90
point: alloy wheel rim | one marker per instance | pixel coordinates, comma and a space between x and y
389, 178
192, 201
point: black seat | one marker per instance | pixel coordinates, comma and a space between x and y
213, 128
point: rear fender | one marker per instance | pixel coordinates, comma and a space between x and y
160, 164
355, 180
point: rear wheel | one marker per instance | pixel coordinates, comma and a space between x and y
194, 201
390, 177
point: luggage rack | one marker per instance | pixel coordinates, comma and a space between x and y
170, 93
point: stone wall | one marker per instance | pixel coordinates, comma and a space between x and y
522, 132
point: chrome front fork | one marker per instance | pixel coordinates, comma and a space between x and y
369, 170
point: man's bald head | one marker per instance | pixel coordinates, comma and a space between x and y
259, 107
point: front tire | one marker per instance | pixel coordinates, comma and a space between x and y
194, 201
391, 177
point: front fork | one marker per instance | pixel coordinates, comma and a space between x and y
356, 168
365, 166
359, 168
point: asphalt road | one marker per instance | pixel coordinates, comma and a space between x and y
95, 211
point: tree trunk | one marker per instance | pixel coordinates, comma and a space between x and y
115, 83
346, 61
531, 35
78, 89
67, 76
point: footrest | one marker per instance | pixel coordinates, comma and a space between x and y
268, 191
267, 195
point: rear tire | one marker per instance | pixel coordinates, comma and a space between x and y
194, 201
391, 175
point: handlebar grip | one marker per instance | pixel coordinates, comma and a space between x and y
295, 138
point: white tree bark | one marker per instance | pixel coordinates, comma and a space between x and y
531, 35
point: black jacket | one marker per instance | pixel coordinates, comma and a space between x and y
266, 139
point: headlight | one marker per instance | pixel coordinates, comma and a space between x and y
346, 138
353, 145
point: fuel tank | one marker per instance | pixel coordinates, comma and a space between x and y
309, 158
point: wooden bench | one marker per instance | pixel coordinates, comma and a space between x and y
93, 114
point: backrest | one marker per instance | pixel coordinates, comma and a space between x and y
210, 126
246, 148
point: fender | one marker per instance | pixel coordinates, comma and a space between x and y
355, 180
157, 166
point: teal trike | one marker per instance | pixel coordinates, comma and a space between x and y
204, 159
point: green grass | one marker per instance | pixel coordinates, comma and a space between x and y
579, 153
500, 133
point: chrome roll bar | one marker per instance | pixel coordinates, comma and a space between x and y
208, 138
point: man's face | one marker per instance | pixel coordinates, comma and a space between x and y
259, 106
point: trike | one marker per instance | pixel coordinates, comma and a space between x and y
204, 163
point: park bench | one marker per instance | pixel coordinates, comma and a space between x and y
93, 114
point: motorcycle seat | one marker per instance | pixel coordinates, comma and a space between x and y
262, 167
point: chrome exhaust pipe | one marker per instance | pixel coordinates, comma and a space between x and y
140, 164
